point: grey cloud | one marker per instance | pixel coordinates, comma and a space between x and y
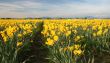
42, 8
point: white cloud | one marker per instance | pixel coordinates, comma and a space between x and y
31, 8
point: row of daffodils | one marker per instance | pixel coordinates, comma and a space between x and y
14, 35
77, 40
68, 40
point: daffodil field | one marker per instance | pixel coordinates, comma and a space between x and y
65, 40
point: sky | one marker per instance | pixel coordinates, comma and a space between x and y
54, 8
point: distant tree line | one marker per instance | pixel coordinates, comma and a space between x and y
59, 18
